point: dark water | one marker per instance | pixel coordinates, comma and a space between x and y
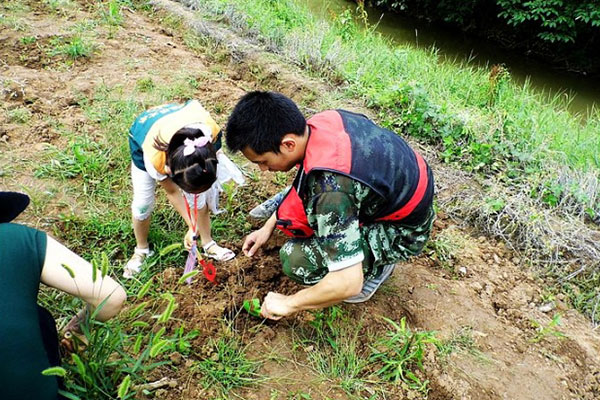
583, 92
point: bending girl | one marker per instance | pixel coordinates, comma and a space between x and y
177, 145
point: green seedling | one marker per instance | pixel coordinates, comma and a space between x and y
252, 307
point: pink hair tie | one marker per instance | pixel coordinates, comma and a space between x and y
190, 146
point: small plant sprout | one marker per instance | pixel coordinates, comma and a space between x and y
543, 331
28, 40
19, 115
112, 14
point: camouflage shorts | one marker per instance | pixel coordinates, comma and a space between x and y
382, 243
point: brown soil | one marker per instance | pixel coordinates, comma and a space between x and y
484, 288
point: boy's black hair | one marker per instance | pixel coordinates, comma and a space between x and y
196, 172
260, 120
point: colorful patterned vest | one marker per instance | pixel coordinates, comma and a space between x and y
163, 122
350, 144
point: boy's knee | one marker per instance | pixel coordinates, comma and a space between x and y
292, 259
300, 262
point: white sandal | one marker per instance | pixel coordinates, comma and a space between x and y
217, 252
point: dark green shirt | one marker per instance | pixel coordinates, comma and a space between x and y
22, 353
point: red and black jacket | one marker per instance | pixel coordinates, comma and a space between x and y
352, 145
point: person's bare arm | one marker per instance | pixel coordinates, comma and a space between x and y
66, 271
332, 289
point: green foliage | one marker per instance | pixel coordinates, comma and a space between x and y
334, 348
554, 20
400, 353
145, 85
550, 20
111, 12
60, 6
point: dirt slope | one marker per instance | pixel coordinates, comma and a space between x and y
483, 289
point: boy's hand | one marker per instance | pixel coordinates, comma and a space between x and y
276, 306
255, 240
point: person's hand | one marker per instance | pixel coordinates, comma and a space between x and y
276, 306
188, 239
255, 240
72, 337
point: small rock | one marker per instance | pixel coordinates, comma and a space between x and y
496, 258
546, 308
477, 286
175, 358
462, 271
520, 347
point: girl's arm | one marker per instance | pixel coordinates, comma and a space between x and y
176, 199
76, 278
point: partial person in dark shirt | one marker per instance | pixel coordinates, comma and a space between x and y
28, 336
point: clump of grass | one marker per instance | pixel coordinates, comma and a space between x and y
28, 40
337, 351
228, 367
400, 353
145, 85
62, 7
461, 341
20, 115
445, 248
74, 47
84, 158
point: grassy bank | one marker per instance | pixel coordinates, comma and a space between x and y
476, 116
537, 165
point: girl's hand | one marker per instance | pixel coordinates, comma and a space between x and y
188, 239
255, 240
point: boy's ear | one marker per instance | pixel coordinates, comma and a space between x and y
288, 142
